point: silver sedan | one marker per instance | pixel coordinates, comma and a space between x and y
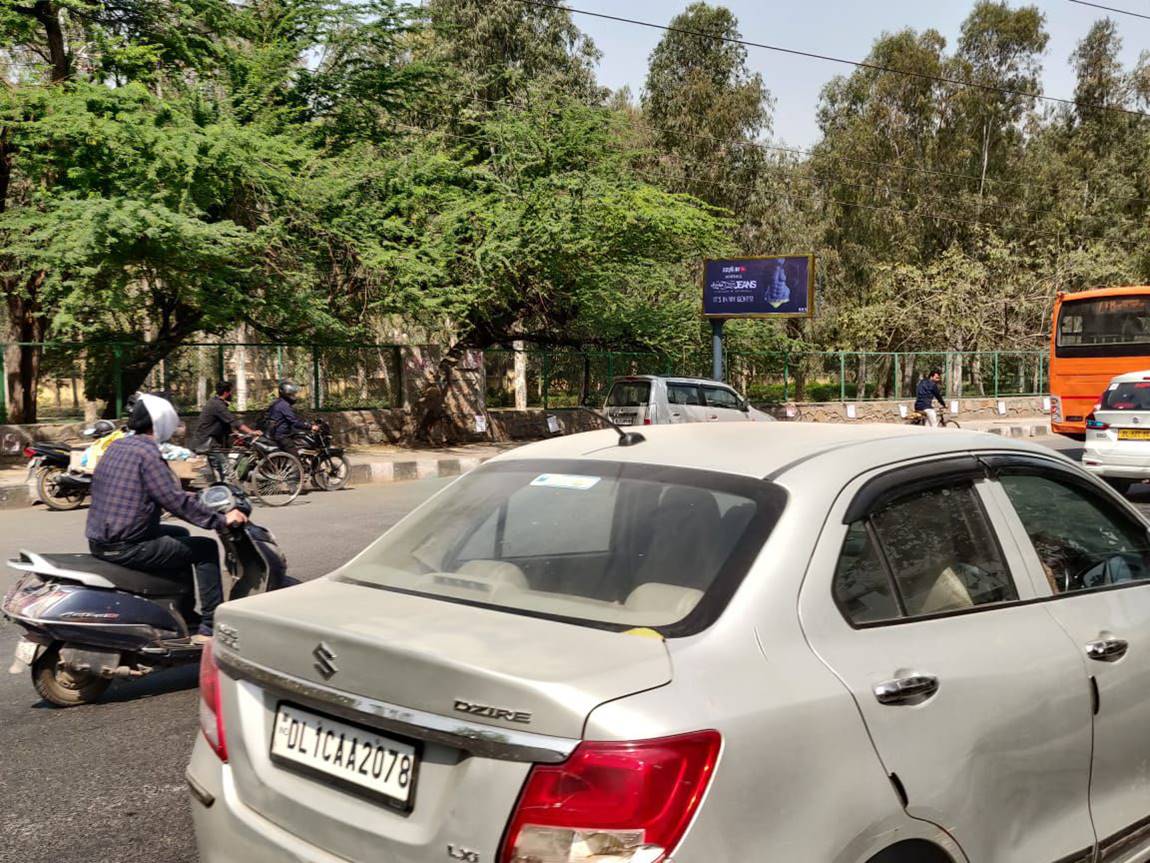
717, 644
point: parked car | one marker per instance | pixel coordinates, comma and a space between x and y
658, 399
847, 643
1118, 432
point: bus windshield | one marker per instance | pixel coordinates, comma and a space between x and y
1104, 327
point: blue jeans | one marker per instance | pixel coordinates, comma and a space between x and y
176, 550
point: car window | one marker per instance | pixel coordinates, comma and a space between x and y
862, 585
683, 394
629, 394
942, 551
721, 397
633, 545
1128, 396
1083, 540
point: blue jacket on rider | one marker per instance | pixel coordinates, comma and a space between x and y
283, 421
926, 393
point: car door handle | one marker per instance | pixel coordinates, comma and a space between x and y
912, 689
1107, 649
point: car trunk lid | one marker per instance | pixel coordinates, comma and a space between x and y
479, 693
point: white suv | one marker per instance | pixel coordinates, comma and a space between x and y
663, 400
1118, 432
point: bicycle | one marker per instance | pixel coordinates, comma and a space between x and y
918, 418
269, 474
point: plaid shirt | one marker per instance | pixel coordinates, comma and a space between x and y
132, 483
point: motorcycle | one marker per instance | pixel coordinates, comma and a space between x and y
88, 622
57, 485
327, 466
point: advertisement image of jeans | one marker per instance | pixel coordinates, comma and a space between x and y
175, 551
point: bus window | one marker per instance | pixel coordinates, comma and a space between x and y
1106, 326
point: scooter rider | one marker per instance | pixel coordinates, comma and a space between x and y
131, 485
282, 420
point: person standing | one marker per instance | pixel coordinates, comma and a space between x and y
925, 395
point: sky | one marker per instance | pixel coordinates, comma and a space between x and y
843, 28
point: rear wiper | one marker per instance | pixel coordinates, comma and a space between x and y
626, 438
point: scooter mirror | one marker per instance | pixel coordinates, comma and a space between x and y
219, 498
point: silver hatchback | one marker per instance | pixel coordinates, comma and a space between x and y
802, 643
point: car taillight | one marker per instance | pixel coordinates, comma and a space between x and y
29, 452
1095, 424
211, 710
618, 801
646, 421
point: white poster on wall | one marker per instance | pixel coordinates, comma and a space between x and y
852, 412
954, 406
553, 424
1046, 404
1002, 408
902, 411
480, 423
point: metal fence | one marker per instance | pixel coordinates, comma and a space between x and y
331, 377
352, 376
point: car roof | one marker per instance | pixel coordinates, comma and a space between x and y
767, 449
1127, 377
674, 379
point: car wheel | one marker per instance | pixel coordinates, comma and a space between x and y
912, 851
62, 687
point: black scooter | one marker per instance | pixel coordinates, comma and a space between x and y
56, 484
88, 622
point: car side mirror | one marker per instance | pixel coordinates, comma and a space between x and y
744, 406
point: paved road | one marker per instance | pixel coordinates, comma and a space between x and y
105, 782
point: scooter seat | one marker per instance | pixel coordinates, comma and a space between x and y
172, 583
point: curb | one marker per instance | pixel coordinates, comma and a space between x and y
1037, 429
19, 496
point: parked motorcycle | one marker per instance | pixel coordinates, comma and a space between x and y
325, 464
88, 622
57, 485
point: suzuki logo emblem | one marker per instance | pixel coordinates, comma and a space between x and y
325, 661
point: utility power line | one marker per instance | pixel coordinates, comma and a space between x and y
1111, 9
860, 64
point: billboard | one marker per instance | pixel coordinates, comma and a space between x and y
780, 286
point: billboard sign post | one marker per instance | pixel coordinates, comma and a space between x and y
775, 286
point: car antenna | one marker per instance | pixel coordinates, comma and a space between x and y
626, 438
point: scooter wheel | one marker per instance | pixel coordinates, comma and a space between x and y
61, 687
47, 489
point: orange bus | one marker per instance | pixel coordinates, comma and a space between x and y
1096, 335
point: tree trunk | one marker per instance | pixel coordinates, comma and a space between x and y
22, 364
49, 17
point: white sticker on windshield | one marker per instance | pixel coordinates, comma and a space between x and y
565, 480
1113, 386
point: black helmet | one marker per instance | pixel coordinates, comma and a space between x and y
288, 391
130, 403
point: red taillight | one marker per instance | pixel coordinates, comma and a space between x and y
646, 421
211, 710
29, 452
1095, 424
612, 800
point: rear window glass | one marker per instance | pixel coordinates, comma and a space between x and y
1130, 396
630, 394
1114, 326
612, 545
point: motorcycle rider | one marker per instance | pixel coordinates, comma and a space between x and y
132, 483
283, 422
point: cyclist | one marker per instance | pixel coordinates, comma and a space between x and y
927, 392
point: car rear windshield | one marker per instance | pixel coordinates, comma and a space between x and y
630, 394
1129, 396
611, 545
1106, 326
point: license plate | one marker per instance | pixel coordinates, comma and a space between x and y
1133, 434
355, 758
